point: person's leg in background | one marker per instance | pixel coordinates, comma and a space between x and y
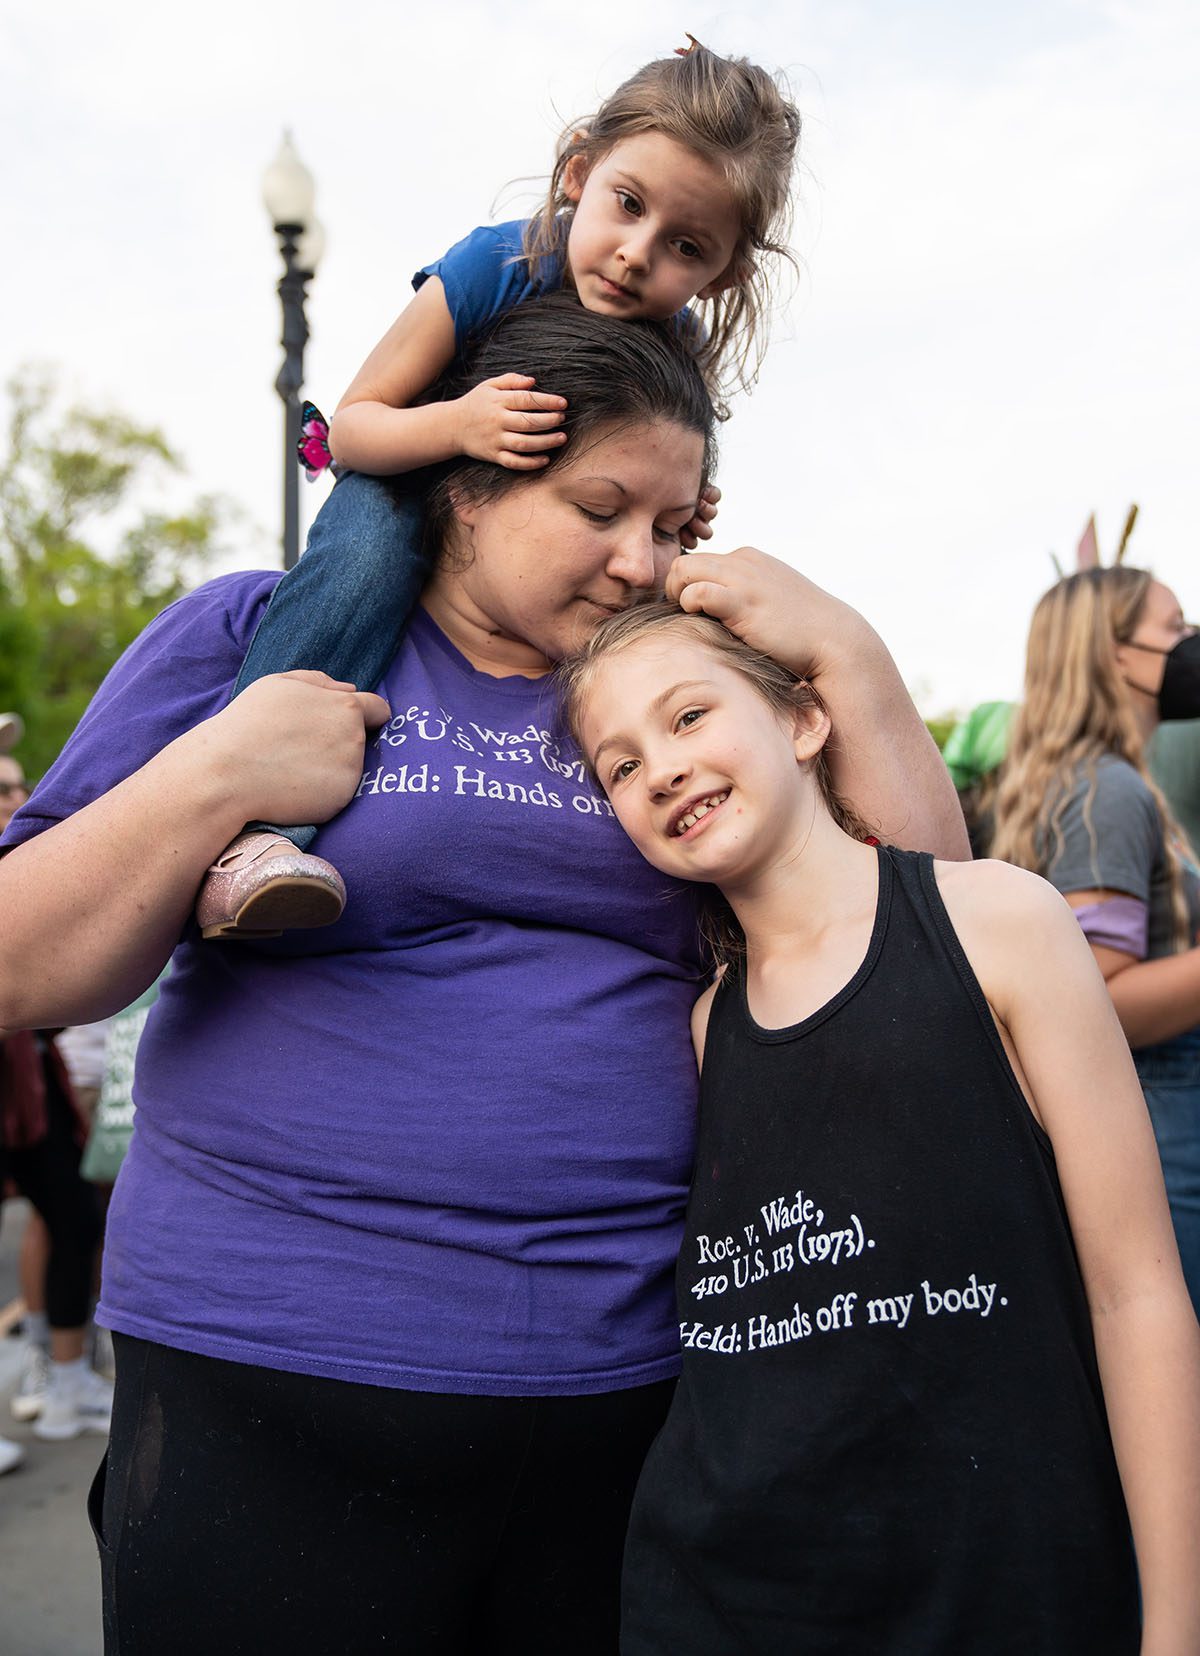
30, 1396
47, 1173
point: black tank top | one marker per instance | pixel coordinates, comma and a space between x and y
889, 1435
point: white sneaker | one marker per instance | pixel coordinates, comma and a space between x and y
80, 1401
30, 1394
11, 1455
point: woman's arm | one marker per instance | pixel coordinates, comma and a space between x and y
1053, 1004
883, 759
1155, 1000
377, 430
94, 905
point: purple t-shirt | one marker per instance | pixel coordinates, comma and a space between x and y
445, 1143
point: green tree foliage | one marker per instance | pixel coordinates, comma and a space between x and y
85, 562
940, 727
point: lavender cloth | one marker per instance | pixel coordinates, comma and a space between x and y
445, 1143
1116, 923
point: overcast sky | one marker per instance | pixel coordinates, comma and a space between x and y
994, 331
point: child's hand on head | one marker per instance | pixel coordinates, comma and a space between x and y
506, 421
699, 528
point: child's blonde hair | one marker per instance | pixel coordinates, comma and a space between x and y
782, 691
736, 116
1077, 709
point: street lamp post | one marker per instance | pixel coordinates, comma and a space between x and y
288, 196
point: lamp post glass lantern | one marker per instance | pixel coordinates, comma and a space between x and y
288, 195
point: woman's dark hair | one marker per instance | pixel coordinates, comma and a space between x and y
614, 375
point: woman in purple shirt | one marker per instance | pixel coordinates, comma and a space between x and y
389, 1265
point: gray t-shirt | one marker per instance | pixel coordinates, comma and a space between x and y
1111, 839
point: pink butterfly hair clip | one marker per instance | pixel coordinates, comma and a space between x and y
312, 450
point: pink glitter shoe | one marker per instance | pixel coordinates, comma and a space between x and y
261, 886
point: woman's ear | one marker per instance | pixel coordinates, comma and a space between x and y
464, 510
810, 731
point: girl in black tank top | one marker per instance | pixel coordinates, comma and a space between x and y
937, 1350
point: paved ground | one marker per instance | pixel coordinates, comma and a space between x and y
49, 1577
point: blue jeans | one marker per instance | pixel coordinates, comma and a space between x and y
344, 607
1170, 1077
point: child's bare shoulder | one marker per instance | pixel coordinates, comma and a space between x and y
1016, 930
998, 892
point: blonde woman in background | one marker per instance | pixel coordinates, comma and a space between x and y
1110, 656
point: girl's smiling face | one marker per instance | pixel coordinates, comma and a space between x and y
705, 777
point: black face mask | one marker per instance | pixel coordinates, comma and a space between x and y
1179, 692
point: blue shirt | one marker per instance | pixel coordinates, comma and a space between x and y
485, 274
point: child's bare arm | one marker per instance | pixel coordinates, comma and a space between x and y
378, 430
1038, 974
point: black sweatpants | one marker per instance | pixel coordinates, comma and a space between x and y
245, 1509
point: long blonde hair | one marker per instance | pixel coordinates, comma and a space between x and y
1077, 710
734, 115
